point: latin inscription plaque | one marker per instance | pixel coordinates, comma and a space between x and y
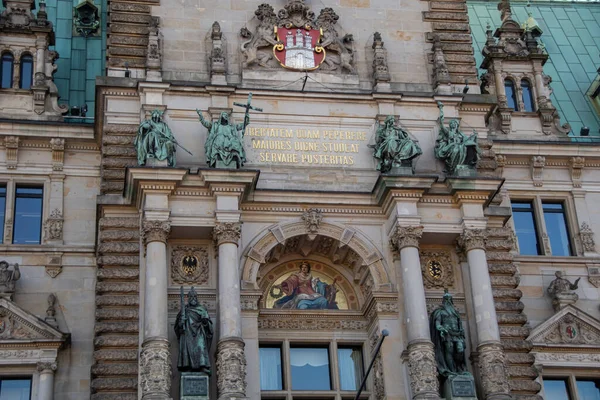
193, 386
462, 388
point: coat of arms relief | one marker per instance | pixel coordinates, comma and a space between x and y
295, 38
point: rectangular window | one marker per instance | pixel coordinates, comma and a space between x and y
588, 389
310, 368
350, 363
525, 228
556, 227
28, 215
2, 211
556, 389
270, 368
15, 389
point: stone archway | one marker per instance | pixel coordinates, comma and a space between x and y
257, 252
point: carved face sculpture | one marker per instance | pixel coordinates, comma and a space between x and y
156, 116
389, 121
453, 125
3, 266
193, 301
224, 118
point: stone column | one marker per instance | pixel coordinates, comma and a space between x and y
155, 360
421, 356
493, 365
231, 360
46, 385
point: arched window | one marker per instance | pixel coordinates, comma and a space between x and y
527, 95
26, 72
6, 70
511, 94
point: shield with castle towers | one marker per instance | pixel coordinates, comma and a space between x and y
299, 48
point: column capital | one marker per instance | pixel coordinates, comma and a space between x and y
155, 231
406, 236
49, 366
227, 232
472, 239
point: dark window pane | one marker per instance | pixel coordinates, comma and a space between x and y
2, 211
15, 389
588, 389
511, 95
525, 228
527, 96
351, 368
7, 70
556, 225
270, 368
556, 389
26, 72
28, 215
310, 368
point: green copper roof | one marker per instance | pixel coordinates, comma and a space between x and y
571, 38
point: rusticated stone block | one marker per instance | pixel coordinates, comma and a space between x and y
505, 233
117, 327
127, 51
119, 273
116, 314
518, 396
119, 247
118, 129
460, 58
130, 8
510, 318
124, 40
119, 162
112, 187
522, 372
116, 355
118, 151
113, 174
451, 26
450, 37
131, 223
446, 5
119, 260
126, 28
514, 331
118, 140
117, 341
505, 269
116, 235
114, 383
130, 18
520, 358
524, 385
444, 16
505, 281
120, 287
519, 345
504, 294
115, 369
114, 396
449, 48
499, 256
498, 243
462, 69
116, 300
134, 62
516, 306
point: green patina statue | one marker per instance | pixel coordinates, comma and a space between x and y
155, 140
457, 150
224, 147
448, 338
194, 331
393, 147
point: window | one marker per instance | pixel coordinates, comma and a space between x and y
571, 388
2, 210
15, 389
527, 96
28, 215
525, 228
588, 389
329, 368
6, 70
556, 389
556, 226
26, 72
511, 94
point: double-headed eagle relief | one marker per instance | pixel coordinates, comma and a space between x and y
296, 39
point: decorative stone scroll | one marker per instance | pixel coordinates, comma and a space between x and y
155, 231
155, 369
189, 265
227, 232
231, 368
406, 236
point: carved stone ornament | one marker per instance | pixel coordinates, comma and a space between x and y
381, 72
315, 38
58, 153
472, 239
154, 51
218, 54
53, 228
422, 370
312, 218
406, 236
53, 270
8, 279
189, 265
493, 370
155, 369
587, 238
86, 19
155, 231
437, 269
441, 75
231, 368
47, 366
378, 379
537, 170
227, 232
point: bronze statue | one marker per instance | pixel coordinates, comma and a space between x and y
155, 140
457, 150
448, 338
8, 277
393, 147
194, 331
224, 142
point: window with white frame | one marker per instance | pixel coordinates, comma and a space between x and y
335, 369
542, 227
15, 388
571, 387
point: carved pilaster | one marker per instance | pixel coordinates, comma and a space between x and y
493, 371
11, 143
47, 366
406, 236
472, 239
231, 368
218, 55
53, 227
155, 231
154, 53
155, 369
441, 75
422, 370
381, 72
227, 232
378, 378
587, 238
58, 153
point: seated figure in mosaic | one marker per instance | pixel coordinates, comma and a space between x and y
224, 147
155, 140
457, 150
304, 292
394, 147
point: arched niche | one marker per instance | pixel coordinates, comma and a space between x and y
279, 235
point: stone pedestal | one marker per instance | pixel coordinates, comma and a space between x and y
459, 387
403, 170
561, 300
193, 386
155, 163
221, 164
